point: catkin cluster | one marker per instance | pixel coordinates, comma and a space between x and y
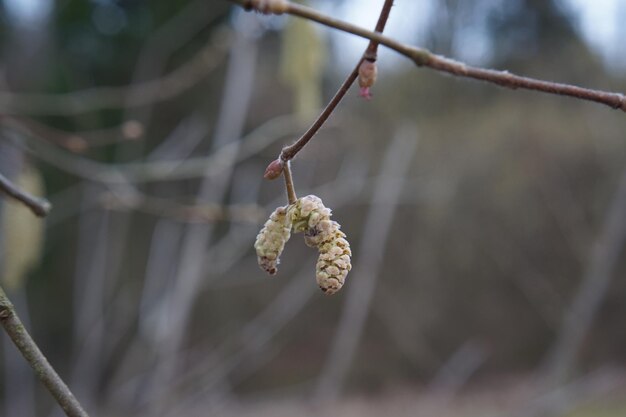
310, 216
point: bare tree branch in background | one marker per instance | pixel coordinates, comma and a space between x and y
375, 234
134, 95
459, 368
90, 274
156, 170
162, 45
593, 289
190, 213
179, 301
76, 142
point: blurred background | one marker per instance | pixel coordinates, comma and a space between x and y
487, 225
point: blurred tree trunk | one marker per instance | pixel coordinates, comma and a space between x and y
179, 301
24, 58
593, 289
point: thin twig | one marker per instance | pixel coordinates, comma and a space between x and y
289, 152
291, 191
39, 206
29, 349
371, 52
425, 58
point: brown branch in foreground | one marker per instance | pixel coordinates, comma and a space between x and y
289, 152
28, 348
424, 58
39, 206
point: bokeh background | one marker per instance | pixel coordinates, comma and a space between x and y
487, 225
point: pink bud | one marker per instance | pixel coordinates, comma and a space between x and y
273, 170
365, 93
367, 77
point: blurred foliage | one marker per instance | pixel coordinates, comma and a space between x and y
303, 57
22, 234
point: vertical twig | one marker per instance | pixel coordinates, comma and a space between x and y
29, 349
291, 191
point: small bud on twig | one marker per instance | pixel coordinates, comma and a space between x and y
273, 170
367, 77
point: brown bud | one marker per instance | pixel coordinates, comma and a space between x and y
273, 170
76, 144
132, 129
367, 77
367, 73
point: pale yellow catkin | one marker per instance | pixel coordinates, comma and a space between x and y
271, 240
309, 215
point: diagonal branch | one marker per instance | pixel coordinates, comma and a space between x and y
425, 58
39, 206
29, 349
289, 152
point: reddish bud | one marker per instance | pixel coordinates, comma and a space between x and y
367, 77
132, 129
273, 170
76, 144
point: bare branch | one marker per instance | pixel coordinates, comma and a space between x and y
29, 349
190, 213
289, 152
134, 95
39, 206
425, 58
76, 142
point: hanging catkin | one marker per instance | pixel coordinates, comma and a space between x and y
309, 215
271, 240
